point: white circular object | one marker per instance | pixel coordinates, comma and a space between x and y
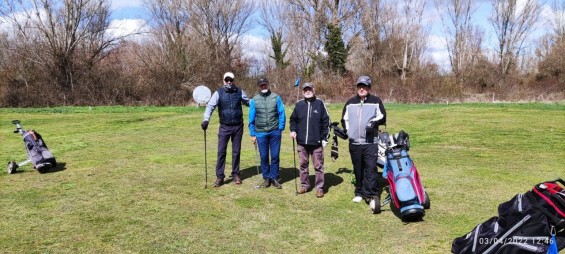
201, 94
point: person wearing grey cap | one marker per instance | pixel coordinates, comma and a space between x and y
361, 116
228, 99
310, 126
267, 120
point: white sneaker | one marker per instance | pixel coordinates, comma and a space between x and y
357, 199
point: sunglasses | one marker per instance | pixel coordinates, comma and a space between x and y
228, 79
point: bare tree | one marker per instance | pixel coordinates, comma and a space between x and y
405, 35
463, 40
512, 24
551, 47
220, 24
272, 18
66, 38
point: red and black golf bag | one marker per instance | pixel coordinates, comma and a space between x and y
533, 222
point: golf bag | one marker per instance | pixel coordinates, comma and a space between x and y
533, 222
405, 187
37, 152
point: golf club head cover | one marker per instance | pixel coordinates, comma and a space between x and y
341, 133
335, 148
204, 125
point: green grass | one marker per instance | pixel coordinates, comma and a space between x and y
132, 181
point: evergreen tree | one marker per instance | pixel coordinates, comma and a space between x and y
337, 52
278, 52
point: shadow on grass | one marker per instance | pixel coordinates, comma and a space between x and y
60, 167
288, 175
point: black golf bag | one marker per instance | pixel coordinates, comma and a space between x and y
37, 152
533, 222
405, 186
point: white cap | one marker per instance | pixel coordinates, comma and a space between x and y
229, 74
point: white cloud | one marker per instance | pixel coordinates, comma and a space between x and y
133, 28
117, 4
438, 51
255, 47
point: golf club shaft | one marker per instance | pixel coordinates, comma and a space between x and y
205, 161
295, 168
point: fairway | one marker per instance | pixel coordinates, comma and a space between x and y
132, 180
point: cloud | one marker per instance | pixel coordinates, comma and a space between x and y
255, 47
437, 50
117, 4
135, 29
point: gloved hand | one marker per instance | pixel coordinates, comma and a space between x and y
324, 143
204, 125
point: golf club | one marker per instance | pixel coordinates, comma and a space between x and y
258, 186
205, 161
295, 168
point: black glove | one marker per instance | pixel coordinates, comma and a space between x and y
204, 125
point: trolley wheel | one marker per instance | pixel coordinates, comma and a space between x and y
426, 203
12, 166
375, 204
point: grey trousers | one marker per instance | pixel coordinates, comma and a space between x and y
317, 154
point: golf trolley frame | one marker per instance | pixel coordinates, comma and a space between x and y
41, 167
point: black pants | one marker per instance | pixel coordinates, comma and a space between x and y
226, 133
364, 158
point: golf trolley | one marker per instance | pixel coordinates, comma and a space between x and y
37, 152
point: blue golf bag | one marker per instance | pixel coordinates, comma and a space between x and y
405, 186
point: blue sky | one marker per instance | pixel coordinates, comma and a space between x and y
128, 16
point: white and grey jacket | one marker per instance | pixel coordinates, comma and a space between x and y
361, 116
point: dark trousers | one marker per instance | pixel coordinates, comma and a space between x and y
226, 133
317, 154
364, 158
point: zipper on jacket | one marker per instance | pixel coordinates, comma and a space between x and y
307, 121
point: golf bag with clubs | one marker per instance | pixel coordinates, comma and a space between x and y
533, 222
37, 152
405, 188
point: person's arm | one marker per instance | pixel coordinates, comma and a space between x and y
282, 114
210, 106
380, 115
345, 118
325, 123
293, 121
252, 118
244, 98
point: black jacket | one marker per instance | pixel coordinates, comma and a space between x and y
311, 122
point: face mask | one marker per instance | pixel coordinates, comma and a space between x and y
265, 90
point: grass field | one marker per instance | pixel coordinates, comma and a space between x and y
131, 180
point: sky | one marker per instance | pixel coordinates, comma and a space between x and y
128, 17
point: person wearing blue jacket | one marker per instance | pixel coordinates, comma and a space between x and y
266, 122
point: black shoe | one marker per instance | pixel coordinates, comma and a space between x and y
236, 179
218, 182
266, 184
276, 184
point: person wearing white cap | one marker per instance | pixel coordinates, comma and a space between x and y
361, 116
229, 99
310, 126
